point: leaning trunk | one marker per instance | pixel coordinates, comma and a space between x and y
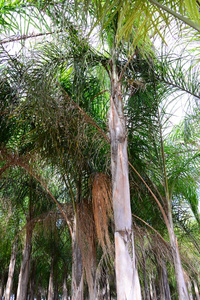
25, 266
10, 273
77, 267
128, 286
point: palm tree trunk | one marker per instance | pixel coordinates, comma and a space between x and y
50, 288
25, 266
165, 282
180, 281
151, 287
77, 266
56, 295
181, 285
128, 286
65, 294
189, 284
196, 290
11, 272
153, 294
32, 282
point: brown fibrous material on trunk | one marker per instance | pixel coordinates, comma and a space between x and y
102, 209
87, 240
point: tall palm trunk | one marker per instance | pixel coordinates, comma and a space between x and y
25, 265
50, 288
180, 281
128, 286
77, 266
9, 284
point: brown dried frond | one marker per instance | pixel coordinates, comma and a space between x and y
87, 240
102, 209
150, 245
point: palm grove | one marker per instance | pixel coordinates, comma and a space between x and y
98, 199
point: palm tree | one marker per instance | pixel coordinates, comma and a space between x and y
113, 66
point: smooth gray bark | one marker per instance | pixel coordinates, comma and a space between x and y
128, 286
7, 292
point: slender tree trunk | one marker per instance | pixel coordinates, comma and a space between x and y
65, 294
154, 290
153, 294
180, 281
50, 288
77, 266
25, 266
128, 286
32, 282
56, 284
189, 284
165, 282
7, 292
92, 265
151, 287
181, 285
196, 290
107, 288
161, 283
